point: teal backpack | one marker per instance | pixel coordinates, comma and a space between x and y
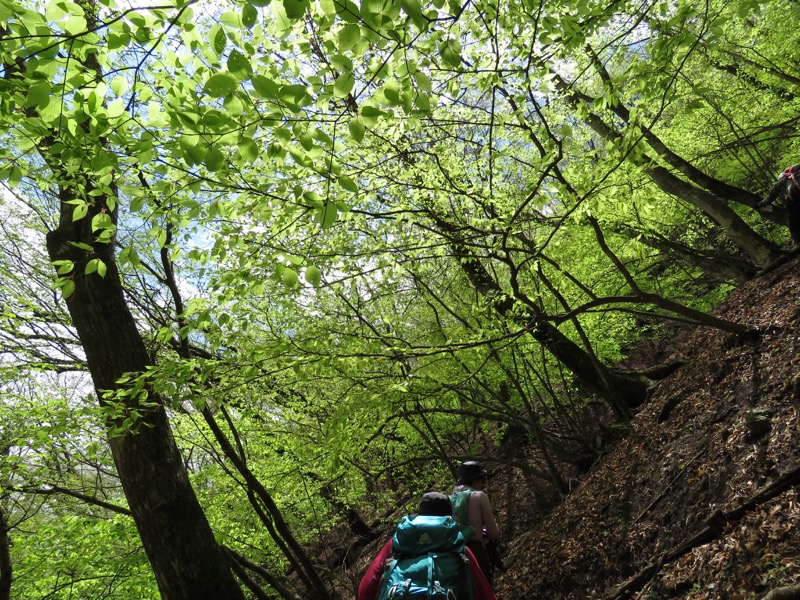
460, 502
429, 562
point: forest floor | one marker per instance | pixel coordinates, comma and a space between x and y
688, 469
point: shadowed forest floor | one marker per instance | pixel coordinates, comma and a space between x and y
689, 466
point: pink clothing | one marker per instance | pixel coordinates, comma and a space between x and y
480, 515
369, 587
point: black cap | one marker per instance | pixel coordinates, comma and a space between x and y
470, 471
435, 504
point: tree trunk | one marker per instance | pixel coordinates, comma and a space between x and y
6, 569
186, 559
717, 266
5, 558
756, 247
707, 198
629, 389
621, 390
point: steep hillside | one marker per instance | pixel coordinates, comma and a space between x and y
700, 499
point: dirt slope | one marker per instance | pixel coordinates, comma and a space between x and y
688, 461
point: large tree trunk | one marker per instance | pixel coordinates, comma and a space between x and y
5, 545
186, 559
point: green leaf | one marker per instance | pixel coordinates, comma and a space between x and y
249, 15
193, 151
214, 159
64, 266
239, 65
370, 114
68, 288
357, 129
118, 40
128, 255
295, 9
14, 176
119, 85
391, 90
218, 39
348, 11
220, 85
423, 82
313, 275
249, 150
289, 277
326, 215
234, 107
413, 9
116, 109
347, 183
306, 141
95, 266
55, 11
344, 85
137, 202
349, 36
75, 24
293, 94
265, 87
80, 211
300, 157
215, 119
38, 95
232, 19
450, 51
342, 62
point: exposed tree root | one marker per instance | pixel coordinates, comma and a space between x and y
791, 592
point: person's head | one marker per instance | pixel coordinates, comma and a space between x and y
435, 504
792, 175
470, 473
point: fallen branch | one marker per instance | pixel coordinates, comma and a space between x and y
715, 524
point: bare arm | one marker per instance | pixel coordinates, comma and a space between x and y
779, 189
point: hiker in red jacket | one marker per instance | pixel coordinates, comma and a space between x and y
433, 504
787, 190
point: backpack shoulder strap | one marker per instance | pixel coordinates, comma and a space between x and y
385, 591
467, 576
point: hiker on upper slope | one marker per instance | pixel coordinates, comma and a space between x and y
471, 507
427, 555
787, 190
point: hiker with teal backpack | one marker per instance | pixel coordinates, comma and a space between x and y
473, 511
426, 558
